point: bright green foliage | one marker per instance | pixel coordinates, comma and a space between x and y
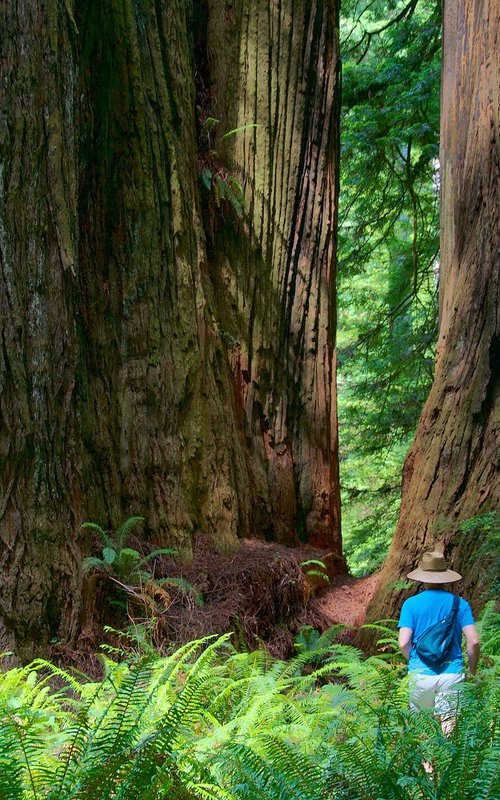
315, 568
388, 255
489, 630
370, 492
207, 722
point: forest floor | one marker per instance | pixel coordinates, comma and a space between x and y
346, 599
263, 592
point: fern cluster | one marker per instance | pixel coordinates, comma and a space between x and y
209, 722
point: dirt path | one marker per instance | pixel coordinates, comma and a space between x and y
347, 599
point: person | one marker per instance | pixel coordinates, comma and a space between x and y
430, 689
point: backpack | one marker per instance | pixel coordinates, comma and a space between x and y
433, 645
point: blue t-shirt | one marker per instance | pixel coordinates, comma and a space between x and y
427, 608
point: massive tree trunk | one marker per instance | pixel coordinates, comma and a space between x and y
278, 276
451, 473
146, 368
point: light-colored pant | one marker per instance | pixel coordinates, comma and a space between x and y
440, 692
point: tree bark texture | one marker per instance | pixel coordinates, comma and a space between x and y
121, 389
278, 278
451, 473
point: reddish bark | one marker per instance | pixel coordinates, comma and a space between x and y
451, 473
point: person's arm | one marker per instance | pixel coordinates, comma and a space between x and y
405, 641
472, 643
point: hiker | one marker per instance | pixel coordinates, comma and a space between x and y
435, 662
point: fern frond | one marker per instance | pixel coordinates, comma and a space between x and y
162, 551
240, 129
93, 562
489, 629
102, 533
124, 531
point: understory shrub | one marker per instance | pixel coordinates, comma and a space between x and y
210, 722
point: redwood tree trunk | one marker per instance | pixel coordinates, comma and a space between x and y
451, 473
279, 276
121, 389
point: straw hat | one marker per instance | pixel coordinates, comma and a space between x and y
433, 569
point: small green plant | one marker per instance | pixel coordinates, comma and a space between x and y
128, 569
118, 560
240, 129
222, 187
318, 648
314, 567
400, 586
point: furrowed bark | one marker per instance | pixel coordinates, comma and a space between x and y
279, 276
451, 473
120, 390
40, 449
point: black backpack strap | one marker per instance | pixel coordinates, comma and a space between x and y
454, 607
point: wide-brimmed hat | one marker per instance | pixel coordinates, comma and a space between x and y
433, 569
